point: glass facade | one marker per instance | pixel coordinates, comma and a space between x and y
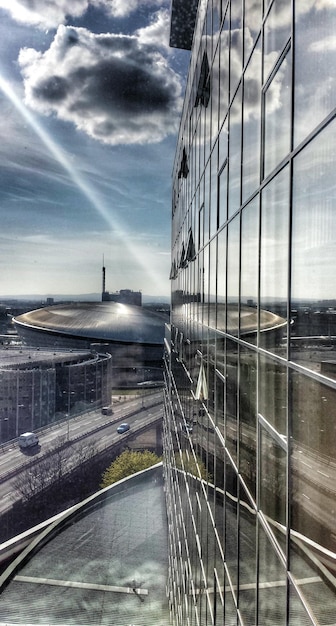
250, 367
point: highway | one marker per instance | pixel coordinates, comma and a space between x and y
85, 430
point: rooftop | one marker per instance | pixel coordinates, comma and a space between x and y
104, 562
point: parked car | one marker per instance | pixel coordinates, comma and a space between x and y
122, 428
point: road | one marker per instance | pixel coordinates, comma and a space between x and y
87, 428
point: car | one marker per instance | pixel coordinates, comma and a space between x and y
106, 410
122, 428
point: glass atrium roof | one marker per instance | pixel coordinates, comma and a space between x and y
104, 564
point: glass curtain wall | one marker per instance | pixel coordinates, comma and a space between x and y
250, 418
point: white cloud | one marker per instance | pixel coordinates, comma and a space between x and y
157, 32
115, 88
123, 8
51, 13
44, 13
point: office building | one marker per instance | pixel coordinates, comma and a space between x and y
250, 403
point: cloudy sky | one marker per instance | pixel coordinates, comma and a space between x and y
89, 110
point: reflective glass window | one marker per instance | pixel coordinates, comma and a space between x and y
247, 563
272, 592
314, 57
213, 194
251, 125
236, 45
233, 276
313, 441
272, 393
314, 254
277, 120
231, 523
221, 278
274, 262
277, 31
231, 404
252, 23
273, 473
248, 417
249, 271
224, 69
222, 195
235, 153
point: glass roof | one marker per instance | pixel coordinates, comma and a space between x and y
105, 564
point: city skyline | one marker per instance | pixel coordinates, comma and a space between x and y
90, 108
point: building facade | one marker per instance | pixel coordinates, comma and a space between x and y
40, 387
250, 367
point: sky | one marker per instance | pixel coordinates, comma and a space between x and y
90, 104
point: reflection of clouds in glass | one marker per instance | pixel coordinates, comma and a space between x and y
314, 219
315, 90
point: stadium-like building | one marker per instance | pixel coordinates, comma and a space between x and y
132, 334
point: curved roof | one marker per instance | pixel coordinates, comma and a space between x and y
97, 321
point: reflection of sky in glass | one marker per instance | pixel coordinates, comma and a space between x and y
314, 219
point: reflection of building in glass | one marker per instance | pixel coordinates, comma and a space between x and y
132, 334
40, 387
250, 417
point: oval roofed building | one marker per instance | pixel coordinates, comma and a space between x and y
132, 334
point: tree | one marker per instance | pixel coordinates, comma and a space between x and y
192, 466
129, 462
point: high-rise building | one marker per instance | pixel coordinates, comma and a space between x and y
250, 403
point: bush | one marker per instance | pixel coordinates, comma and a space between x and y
129, 462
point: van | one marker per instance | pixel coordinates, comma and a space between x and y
28, 440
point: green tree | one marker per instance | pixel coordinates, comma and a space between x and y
192, 466
129, 462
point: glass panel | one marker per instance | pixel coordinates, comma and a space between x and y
224, 69
222, 146
252, 24
249, 271
213, 194
313, 539
277, 140
272, 480
251, 128
222, 196
233, 276
247, 564
231, 427
215, 85
314, 57
248, 417
314, 255
231, 523
272, 585
221, 280
236, 45
272, 382
277, 31
274, 263
235, 153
